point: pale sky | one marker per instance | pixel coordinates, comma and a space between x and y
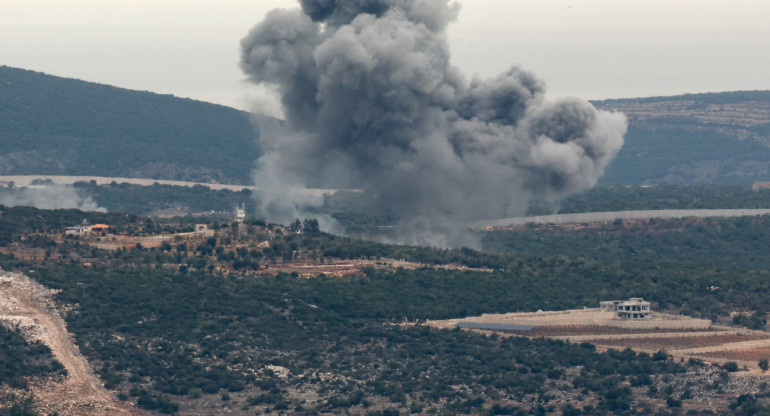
592, 49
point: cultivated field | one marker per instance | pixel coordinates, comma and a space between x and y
680, 336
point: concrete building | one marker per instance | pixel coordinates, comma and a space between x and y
633, 308
78, 230
84, 228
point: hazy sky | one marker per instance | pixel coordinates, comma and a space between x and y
587, 48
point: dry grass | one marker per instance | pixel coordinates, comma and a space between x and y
740, 355
678, 343
561, 331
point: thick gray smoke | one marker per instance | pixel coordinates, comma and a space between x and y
373, 103
49, 197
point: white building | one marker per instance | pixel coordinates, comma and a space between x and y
78, 230
633, 308
240, 213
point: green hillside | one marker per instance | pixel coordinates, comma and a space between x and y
720, 138
217, 324
53, 125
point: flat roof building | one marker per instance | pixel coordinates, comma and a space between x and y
78, 229
633, 308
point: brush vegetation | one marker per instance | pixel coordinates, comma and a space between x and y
184, 325
717, 138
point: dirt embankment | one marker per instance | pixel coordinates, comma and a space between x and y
28, 306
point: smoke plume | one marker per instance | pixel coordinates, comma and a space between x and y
372, 102
49, 197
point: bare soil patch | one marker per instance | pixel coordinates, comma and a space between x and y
29, 306
678, 343
598, 330
742, 355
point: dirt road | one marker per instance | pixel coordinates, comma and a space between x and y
26, 180
347, 268
28, 306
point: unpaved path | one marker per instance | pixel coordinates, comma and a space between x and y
28, 306
347, 268
26, 180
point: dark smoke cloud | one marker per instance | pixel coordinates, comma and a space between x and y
372, 102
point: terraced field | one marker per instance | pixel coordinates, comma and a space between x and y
680, 336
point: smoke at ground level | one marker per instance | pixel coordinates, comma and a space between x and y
373, 103
49, 197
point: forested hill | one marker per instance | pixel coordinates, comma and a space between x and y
721, 138
59, 126
53, 125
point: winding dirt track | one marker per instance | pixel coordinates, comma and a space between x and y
22, 304
26, 180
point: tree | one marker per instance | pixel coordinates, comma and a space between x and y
764, 364
310, 226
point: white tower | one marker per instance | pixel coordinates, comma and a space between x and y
240, 213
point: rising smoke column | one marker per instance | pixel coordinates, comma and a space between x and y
372, 102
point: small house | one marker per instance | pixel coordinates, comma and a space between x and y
633, 308
78, 230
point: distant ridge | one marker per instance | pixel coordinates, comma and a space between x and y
703, 97
720, 138
54, 125
58, 126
